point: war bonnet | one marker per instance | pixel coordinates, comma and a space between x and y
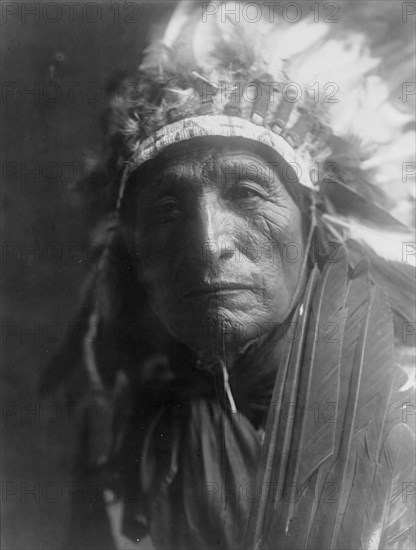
308, 90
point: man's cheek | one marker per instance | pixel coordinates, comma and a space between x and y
153, 272
270, 231
267, 280
254, 240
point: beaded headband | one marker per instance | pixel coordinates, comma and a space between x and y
221, 126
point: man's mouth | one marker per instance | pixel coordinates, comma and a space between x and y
218, 289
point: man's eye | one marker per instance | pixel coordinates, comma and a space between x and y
168, 209
243, 192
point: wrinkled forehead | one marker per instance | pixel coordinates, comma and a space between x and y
188, 166
208, 158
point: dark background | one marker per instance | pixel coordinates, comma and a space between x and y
56, 64
49, 138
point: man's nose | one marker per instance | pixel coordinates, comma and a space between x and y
216, 241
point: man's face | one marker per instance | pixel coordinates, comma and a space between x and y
220, 243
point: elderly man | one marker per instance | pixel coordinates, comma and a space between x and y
251, 331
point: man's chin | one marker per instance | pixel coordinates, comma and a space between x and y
219, 327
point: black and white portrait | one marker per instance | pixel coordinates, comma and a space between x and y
208, 261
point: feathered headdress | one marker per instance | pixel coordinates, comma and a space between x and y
322, 94
313, 91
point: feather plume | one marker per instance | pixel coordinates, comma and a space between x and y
372, 406
395, 277
369, 231
273, 462
362, 426
398, 522
384, 523
315, 424
322, 470
320, 382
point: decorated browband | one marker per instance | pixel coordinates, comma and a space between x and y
281, 115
